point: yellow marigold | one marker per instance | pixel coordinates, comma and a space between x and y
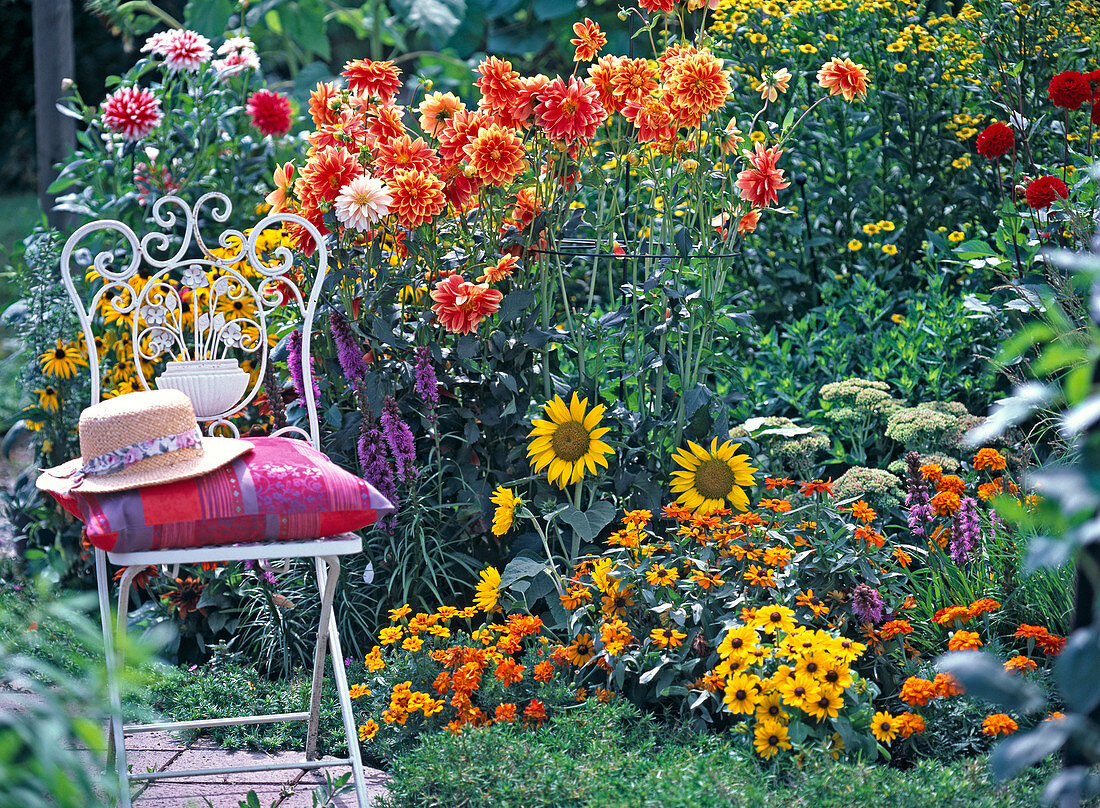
368, 730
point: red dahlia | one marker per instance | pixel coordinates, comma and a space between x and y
270, 112
132, 111
995, 140
1042, 192
1069, 90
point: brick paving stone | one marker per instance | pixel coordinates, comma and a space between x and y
301, 798
165, 794
221, 758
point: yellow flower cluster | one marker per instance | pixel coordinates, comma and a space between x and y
775, 671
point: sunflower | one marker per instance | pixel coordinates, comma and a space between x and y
62, 360
710, 477
569, 442
505, 513
487, 593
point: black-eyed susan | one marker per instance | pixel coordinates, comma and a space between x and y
487, 592
826, 705
660, 575
62, 360
49, 399
505, 512
742, 694
798, 691
667, 637
884, 727
708, 478
768, 737
569, 442
775, 618
770, 707
580, 650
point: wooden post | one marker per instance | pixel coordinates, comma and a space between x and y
55, 134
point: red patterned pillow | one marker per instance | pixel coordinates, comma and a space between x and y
283, 490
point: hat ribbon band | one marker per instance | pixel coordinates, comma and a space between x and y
119, 459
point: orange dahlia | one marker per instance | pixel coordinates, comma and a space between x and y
749, 221
403, 154
417, 197
436, 109
328, 170
457, 187
600, 74
760, 185
589, 40
651, 117
457, 133
385, 122
496, 154
633, 80
499, 271
499, 84
324, 103
843, 77
379, 80
461, 306
570, 112
697, 83
525, 101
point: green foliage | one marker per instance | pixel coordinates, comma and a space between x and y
56, 700
605, 756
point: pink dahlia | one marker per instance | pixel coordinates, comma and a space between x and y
270, 112
569, 112
132, 111
181, 49
363, 202
761, 184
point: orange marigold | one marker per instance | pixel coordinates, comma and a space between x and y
989, 459
998, 724
461, 306
964, 641
509, 672
947, 685
496, 154
379, 80
417, 197
505, 713
535, 711
843, 77
952, 483
983, 605
917, 692
1020, 663
1026, 631
893, 628
946, 503
986, 491
544, 671
698, 84
910, 724
931, 471
590, 39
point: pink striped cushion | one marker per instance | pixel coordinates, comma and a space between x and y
283, 490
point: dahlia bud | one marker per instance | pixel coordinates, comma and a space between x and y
67, 84
691, 165
623, 14
428, 84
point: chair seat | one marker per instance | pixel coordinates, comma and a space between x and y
343, 544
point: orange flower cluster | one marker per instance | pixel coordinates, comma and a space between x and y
961, 615
1039, 637
917, 692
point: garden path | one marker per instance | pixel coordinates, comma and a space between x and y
286, 788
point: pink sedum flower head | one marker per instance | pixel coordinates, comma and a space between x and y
133, 112
181, 49
363, 202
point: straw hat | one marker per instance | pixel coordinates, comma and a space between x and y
137, 440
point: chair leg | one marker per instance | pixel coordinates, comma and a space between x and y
346, 712
116, 739
327, 588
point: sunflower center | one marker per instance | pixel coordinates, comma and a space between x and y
571, 441
714, 479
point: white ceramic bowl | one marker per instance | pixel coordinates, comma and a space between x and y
213, 385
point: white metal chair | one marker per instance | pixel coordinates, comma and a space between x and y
179, 309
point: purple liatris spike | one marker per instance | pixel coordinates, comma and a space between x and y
376, 466
294, 365
400, 440
867, 603
917, 499
348, 352
426, 385
966, 532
